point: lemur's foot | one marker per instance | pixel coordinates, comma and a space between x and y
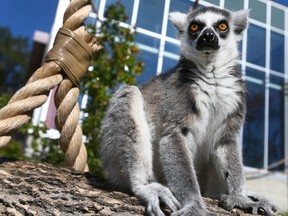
249, 203
154, 193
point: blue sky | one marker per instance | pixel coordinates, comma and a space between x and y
23, 17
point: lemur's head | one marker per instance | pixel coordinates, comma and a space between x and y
209, 30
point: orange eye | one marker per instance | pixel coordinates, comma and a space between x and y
222, 27
194, 27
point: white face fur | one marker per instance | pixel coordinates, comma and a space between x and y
209, 31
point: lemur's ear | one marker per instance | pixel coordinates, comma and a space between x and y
240, 20
178, 19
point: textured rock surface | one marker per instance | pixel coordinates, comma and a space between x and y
40, 189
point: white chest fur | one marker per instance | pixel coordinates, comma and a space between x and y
216, 95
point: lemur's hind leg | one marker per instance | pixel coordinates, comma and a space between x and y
126, 150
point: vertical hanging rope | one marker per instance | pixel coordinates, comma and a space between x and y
65, 64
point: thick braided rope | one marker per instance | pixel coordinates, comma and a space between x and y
18, 110
50, 75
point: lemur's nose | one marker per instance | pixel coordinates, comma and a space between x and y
209, 35
208, 40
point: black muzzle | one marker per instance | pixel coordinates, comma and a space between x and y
208, 40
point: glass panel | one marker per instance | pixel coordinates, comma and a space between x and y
173, 48
253, 133
181, 6
258, 11
283, 2
149, 47
90, 22
152, 42
128, 4
171, 56
96, 3
168, 64
276, 121
215, 2
256, 45
150, 66
277, 52
150, 15
234, 5
277, 18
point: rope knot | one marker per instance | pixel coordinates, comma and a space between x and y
71, 53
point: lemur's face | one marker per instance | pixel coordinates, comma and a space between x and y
208, 30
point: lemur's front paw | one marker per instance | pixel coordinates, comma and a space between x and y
193, 209
153, 194
252, 204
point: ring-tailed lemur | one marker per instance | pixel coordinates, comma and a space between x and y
176, 138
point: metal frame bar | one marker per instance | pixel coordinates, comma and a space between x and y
286, 94
267, 80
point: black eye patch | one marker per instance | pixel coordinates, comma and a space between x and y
222, 27
195, 28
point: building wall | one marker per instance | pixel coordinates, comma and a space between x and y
263, 52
